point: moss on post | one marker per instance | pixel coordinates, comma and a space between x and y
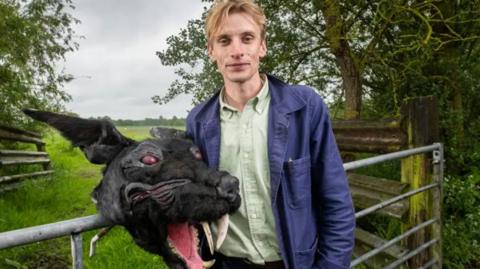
420, 122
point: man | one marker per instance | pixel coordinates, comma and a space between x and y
277, 139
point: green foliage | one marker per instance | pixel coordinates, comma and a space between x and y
463, 151
189, 50
35, 35
461, 225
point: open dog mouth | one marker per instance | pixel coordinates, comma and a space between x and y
182, 237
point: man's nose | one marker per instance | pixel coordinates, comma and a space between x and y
237, 49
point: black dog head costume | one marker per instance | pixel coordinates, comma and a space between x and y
159, 189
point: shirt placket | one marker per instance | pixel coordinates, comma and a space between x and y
253, 202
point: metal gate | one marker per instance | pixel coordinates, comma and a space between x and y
75, 227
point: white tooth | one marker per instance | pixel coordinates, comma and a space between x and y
208, 264
93, 245
222, 226
208, 234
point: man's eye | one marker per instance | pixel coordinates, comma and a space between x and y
149, 159
248, 38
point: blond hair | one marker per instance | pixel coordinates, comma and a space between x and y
222, 8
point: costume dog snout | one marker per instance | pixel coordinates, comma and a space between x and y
228, 188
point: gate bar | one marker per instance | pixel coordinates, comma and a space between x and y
379, 249
53, 230
409, 255
390, 156
393, 200
429, 264
77, 250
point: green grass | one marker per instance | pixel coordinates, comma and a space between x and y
66, 195
141, 132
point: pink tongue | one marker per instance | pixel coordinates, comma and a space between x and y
182, 239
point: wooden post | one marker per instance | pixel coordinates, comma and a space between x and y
420, 122
41, 148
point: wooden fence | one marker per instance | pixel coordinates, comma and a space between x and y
417, 126
9, 157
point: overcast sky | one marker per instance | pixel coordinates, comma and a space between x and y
116, 69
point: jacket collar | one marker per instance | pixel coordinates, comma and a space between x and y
283, 100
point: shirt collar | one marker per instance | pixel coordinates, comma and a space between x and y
259, 101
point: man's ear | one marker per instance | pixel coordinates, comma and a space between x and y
163, 133
263, 49
99, 140
210, 51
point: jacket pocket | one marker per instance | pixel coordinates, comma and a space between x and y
298, 181
306, 258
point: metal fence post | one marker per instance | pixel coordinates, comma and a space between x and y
77, 251
436, 230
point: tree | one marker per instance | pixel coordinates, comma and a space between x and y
378, 52
432, 48
346, 49
34, 36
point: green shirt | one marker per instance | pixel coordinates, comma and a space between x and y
244, 153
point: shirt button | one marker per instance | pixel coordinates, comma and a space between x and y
246, 155
254, 216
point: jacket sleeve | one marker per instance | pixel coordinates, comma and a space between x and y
189, 126
334, 211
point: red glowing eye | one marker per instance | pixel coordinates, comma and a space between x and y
149, 159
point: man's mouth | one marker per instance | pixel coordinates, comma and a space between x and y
237, 65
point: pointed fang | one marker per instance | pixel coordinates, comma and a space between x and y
208, 264
222, 226
208, 234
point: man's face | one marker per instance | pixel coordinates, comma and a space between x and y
237, 47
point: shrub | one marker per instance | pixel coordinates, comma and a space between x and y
461, 221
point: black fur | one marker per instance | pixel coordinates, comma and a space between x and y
188, 191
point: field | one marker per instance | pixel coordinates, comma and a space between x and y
66, 195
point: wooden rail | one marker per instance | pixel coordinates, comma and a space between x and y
368, 191
11, 158
373, 136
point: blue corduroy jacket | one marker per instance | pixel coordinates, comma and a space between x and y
311, 201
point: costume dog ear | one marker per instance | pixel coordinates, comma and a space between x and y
99, 140
163, 133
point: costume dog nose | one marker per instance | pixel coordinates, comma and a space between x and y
228, 188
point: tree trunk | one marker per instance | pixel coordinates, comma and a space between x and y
453, 52
351, 84
339, 46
